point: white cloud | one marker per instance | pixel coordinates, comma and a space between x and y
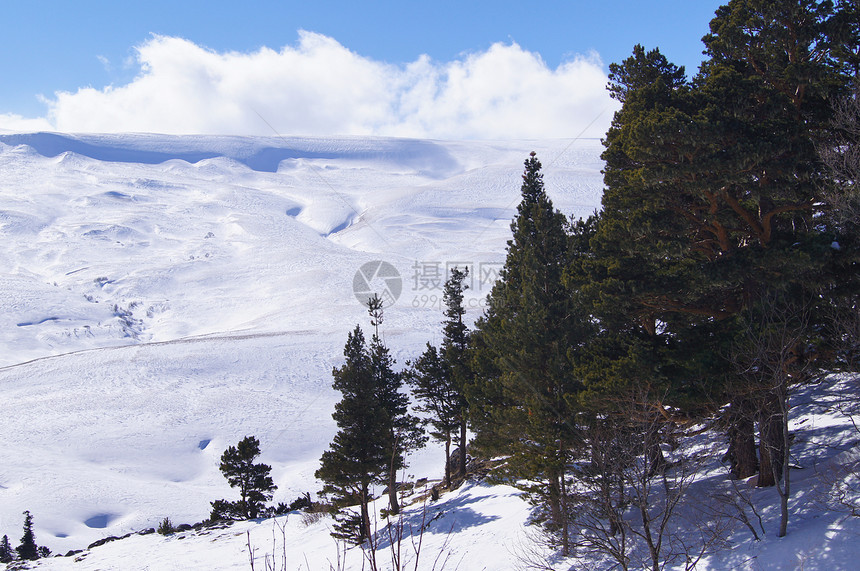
501, 93
19, 124
321, 88
105, 63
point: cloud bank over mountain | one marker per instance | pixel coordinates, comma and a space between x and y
319, 87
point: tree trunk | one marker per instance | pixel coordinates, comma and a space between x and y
556, 509
565, 531
766, 477
365, 514
462, 474
606, 471
448, 460
655, 460
772, 448
393, 503
562, 500
741, 432
555, 501
646, 532
785, 489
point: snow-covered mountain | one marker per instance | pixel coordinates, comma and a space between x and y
111, 240
163, 297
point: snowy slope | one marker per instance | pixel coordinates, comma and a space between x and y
485, 527
165, 296
102, 244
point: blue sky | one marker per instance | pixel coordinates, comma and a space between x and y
93, 49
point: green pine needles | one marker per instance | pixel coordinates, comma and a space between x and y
253, 481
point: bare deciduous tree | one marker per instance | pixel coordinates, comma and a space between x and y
631, 504
841, 155
773, 356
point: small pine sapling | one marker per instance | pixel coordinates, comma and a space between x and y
166, 527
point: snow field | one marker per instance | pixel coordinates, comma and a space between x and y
163, 292
163, 297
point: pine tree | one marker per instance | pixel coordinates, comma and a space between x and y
430, 379
522, 395
455, 352
358, 456
253, 480
662, 238
439, 378
774, 68
28, 550
404, 430
6, 553
636, 266
712, 200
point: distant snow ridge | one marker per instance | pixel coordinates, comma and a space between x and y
262, 154
112, 239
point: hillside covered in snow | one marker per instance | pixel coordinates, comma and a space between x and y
163, 297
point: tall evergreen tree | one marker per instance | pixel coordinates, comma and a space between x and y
28, 550
455, 352
359, 455
404, 430
774, 69
711, 199
639, 268
430, 379
253, 480
439, 378
523, 393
